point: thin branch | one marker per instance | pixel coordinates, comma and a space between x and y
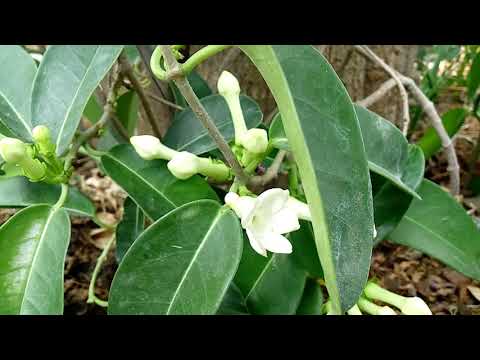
272, 172
163, 101
378, 94
128, 72
145, 54
436, 122
403, 93
202, 115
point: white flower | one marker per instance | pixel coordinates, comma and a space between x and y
386, 310
255, 141
228, 85
299, 208
12, 150
415, 306
183, 165
265, 219
149, 148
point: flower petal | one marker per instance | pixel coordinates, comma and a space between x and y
285, 221
271, 201
255, 244
274, 242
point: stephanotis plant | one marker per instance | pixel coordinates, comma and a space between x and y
224, 234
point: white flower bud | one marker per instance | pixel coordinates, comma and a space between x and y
228, 85
183, 165
149, 148
12, 150
386, 310
255, 141
415, 306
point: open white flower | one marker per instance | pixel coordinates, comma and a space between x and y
265, 219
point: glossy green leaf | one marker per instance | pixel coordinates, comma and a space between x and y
33, 245
276, 134
312, 299
304, 250
93, 111
452, 121
65, 80
188, 134
233, 302
199, 86
127, 111
20, 192
131, 226
17, 71
271, 285
182, 264
150, 184
473, 78
386, 147
390, 203
324, 134
440, 227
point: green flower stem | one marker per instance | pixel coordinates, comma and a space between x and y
63, 197
373, 291
187, 67
368, 307
101, 259
217, 171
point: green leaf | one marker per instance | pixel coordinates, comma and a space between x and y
276, 134
65, 80
20, 192
198, 84
233, 302
150, 184
17, 71
386, 147
324, 134
127, 111
452, 121
182, 264
473, 78
440, 227
130, 227
390, 203
304, 251
188, 134
33, 246
271, 285
312, 299
132, 53
93, 111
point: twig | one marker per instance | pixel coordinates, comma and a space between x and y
403, 93
128, 72
272, 172
202, 115
166, 102
108, 112
436, 122
378, 94
145, 54
101, 259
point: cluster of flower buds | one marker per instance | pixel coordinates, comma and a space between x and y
37, 161
182, 164
254, 141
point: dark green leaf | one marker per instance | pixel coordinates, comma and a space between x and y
304, 250
324, 135
150, 184
473, 78
390, 203
127, 111
452, 121
66, 78
182, 264
440, 227
312, 299
272, 285
93, 111
17, 71
19, 192
233, 302
33, 245
129, 228
276, 134
188, 134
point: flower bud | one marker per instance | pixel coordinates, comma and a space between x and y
354, 310
149, 148
183, 165
242, 205
12, 150
41, 134
415, 306
386, 310
228, 85
255, 141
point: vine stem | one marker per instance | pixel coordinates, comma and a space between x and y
62, 198
200, 112
101, 259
